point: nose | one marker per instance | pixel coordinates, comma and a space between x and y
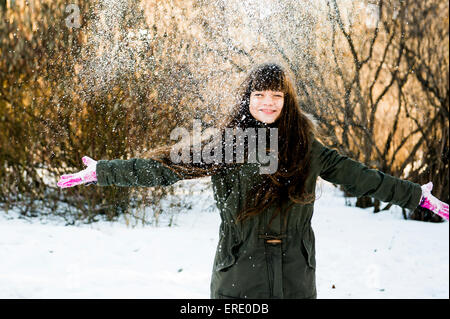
268, 100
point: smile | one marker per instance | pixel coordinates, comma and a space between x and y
267, 111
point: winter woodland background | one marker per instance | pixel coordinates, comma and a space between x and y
111, 78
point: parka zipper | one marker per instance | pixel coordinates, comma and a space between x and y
269, 272
272, 245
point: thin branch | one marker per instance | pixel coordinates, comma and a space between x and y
347, 36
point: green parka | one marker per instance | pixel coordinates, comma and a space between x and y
248, 262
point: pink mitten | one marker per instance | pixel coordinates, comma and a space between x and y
87, 175
430, 202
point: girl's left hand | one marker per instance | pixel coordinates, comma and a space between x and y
430, 202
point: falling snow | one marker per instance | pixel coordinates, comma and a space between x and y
219, 40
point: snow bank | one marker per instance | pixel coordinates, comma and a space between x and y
360, 254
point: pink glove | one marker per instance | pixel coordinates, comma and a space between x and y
430, 202
87, 175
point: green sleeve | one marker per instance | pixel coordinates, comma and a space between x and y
360, 180
134, 172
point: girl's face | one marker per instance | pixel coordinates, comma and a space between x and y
266, 106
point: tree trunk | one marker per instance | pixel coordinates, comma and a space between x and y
364, 202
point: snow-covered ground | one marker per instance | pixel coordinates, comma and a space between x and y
361, 254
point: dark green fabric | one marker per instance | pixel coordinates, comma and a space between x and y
360, 180
245, 265
134, 172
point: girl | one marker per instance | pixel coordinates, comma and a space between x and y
266, 245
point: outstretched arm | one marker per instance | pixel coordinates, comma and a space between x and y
360, 180
126, 173
135, 172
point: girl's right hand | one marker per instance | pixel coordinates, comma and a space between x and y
88, 175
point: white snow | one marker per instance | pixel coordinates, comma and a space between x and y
364, 255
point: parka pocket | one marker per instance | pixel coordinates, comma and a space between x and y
227, 254
309, 253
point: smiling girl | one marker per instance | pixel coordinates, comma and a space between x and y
265, 106
266, 243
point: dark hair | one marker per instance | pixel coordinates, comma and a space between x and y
296, 130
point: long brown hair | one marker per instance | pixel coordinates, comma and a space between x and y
296, 129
